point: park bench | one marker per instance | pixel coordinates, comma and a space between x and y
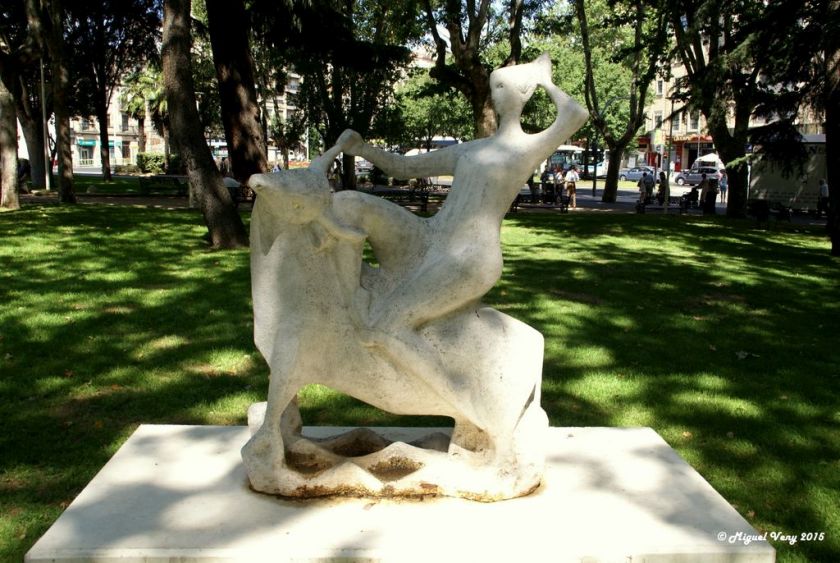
682, 204
164, 183
543, 196
405, 196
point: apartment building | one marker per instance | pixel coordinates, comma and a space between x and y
675, 137
124, 134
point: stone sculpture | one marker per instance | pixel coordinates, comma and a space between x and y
409, 336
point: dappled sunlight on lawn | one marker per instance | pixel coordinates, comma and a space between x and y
718, 335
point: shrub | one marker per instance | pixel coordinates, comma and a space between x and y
150, 162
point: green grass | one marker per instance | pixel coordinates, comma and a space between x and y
95, 185
721, 337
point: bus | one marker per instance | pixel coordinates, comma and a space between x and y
564, 157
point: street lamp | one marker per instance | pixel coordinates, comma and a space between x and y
47, 159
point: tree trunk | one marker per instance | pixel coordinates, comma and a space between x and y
104, 149
8, 150
731, 148
141, 134
61, 82
33, 136
229, 27
167, 150
484, 115
832, 133
348, 164
613, 167
220, 215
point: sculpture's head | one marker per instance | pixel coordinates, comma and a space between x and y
294, 196
512, 86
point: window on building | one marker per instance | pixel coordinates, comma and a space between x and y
676, 121
85, 124
657, 120
694, 123
126, 152
660, 88
124, 122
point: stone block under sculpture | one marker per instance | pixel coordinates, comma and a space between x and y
409, 336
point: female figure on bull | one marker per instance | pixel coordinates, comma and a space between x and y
458, 257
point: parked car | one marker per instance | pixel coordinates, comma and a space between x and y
635, 174
600, 169
694, 176
363, 166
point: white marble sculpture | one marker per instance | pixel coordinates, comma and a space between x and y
409, 336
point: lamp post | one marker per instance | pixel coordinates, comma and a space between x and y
47, 159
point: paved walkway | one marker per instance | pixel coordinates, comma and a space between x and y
625, 202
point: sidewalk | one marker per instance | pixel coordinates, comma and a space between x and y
625, 202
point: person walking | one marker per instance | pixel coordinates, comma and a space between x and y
572, 178
723, 185
822, 202
664, 191
642, 185
650, 183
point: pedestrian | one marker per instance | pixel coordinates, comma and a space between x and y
650, 183
664, 191
723, 184
822, 202
572, 179
224, 166
642, 185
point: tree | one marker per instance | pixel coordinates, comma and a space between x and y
138, 88
223, 221
467, 25
108, 38
348, 79
424, 111
19, 71
642, 53
229, 26
287, 133
732, 75
46, 23
799, 52
831, 102
8, 150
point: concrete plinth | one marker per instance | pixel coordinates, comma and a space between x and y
609, 494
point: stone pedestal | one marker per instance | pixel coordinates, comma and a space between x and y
609, 494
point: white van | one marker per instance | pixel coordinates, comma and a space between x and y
798, 191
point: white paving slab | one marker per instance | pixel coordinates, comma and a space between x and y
180, 493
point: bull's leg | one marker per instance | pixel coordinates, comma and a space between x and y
264, 453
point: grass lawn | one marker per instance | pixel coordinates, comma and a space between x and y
94, 184
721, 337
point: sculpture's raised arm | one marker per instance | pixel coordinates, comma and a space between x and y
570, 116
322, 163
397, 165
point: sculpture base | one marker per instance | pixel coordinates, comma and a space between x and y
180, 492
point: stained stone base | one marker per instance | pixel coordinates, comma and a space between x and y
609, 494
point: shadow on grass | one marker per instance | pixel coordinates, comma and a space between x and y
716, 334
719, 336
